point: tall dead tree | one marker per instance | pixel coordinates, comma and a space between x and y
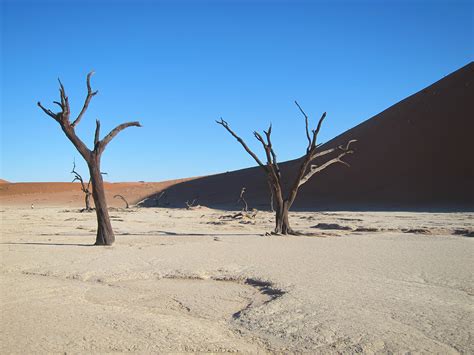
305, 172
105, 234
85, 188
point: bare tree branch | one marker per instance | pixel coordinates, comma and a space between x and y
64, 103
272, 152
316, 131
240, 140
265, 147
90, 95
78, 177
346, 148
103, 143
97, 133
306, 122
260, 139
328, 151
316, 169
123, 199
272, 168
49, 112
63, 119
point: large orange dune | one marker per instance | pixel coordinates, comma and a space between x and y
415, 154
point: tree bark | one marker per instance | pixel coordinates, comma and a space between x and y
282, 225
105, 233
88, 201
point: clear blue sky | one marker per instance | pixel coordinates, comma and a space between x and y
177, 66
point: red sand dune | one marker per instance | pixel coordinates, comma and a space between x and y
70, 194
415, 154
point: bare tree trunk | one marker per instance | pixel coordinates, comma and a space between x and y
88, 201
272, 209
282, 223
105, 233
242, 199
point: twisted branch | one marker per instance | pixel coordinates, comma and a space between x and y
316, 169
123, 199
90, 95
78, 177
328, 151
241, 141
49, 112
103, 143
306, 123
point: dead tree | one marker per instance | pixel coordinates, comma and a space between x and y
105, 234
242, 199
157, 200
123, 199
85, 188
191, 205
272, 209
306, 170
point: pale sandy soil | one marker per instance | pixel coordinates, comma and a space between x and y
179, 280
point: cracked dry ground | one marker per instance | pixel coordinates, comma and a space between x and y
176, 281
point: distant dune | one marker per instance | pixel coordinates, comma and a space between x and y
415, 154
70, 194
3, 181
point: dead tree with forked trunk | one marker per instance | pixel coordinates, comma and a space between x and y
306, 170
105, 234
85, 188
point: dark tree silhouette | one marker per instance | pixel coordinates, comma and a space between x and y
306, 170
105, 234
272, 209
245, 207
85, 188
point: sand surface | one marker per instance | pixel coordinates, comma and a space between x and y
190, 280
